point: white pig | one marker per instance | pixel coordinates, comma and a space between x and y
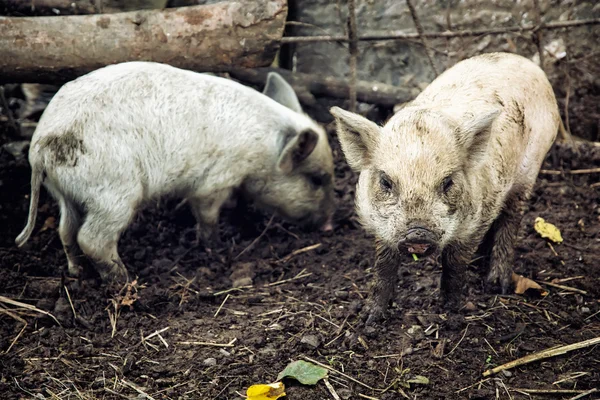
453, 165
115, 139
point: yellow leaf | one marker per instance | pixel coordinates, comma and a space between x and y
547, 230
271, 391
522, 284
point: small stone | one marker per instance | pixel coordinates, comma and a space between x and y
416, 332
210, 362
242, 282
407, 351
341, 294
311, 340
585, 310
344, 393
470, 306
224, 352
370, 332
507, 373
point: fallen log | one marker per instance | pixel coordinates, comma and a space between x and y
215, 37
304, 84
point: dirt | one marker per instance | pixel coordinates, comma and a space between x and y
183, 332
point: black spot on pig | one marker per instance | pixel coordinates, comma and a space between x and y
65, 148
517, 115
498, 99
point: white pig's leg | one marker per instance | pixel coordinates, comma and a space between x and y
207, 210
98, 236
67, 229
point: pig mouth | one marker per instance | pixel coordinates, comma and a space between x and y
418, 248
421, 249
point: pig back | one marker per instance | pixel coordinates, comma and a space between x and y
528, 123
157, 124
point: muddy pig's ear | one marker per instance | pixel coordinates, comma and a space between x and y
358, 137
296, 149
473, 134
281, 91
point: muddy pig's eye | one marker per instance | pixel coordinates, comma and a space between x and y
447, 184
385, 182
316, 180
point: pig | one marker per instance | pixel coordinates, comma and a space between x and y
452, 169
124, 135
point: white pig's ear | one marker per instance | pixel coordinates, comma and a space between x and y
279, 90
473, 134
358, 137
297, 149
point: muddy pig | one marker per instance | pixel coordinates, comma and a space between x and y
452, 167
115, 139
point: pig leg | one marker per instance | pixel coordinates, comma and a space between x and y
506, 228
67, 229
386, 278
99, 235
207, 210
454, 259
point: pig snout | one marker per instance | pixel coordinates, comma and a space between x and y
328, 225
419, 240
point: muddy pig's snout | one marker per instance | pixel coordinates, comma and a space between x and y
328, 225
419, 240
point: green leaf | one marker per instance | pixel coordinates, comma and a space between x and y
415, 257
304, 372
419, 379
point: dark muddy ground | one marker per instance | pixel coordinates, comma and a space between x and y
299, 297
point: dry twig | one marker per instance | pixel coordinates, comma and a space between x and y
543, 354
400, 35
331, 389
257, 239
579, 396
230, 344
299, 251
221, 306
537, 33
548, 391
340, 373
26, 306
563, 287
415, 18
353, 47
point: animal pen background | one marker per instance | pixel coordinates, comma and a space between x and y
202, 326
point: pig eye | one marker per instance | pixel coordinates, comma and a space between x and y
316, 180
447, 184
385, 182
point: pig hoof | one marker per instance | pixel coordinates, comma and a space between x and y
374, 315
450, 302
113, 274
495, 280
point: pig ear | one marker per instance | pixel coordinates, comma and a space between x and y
296, 150
475, 132
281, 91
358, 137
